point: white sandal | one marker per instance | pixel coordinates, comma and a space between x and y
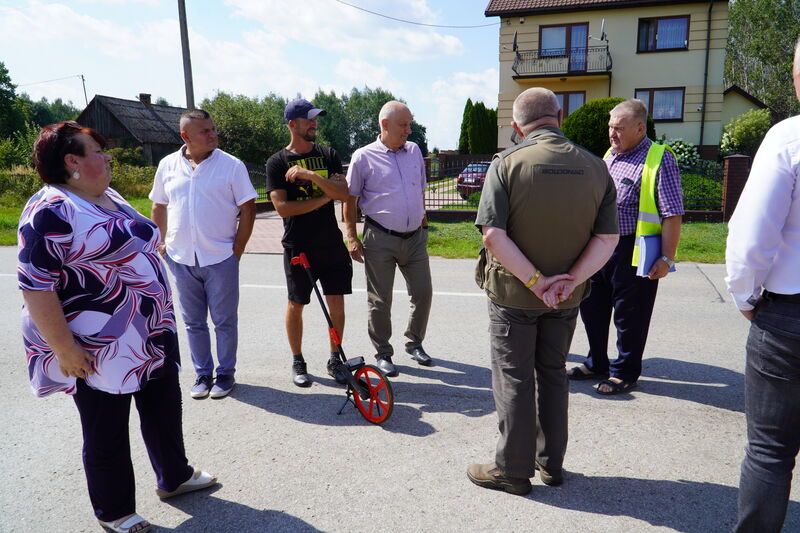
199, 480
119, 526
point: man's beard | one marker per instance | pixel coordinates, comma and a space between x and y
309, 136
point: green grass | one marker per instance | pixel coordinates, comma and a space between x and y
454, 239
703, 242
9, 218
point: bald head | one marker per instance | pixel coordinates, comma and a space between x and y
395, 119
536, 107
391, 108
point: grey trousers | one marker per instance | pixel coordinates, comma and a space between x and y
382, 254
530, 386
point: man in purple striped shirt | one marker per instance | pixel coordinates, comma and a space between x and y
616, 286
387, 178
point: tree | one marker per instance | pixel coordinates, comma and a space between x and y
249, 128
11, 117
463, 139
352, 120
419, 137
761, 49
162, 101
332, 128
482, 130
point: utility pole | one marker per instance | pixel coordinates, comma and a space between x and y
187, 60
83, 80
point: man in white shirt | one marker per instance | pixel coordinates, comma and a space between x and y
197, 194
763, 262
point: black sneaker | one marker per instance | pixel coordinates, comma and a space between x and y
336, 370
300, 375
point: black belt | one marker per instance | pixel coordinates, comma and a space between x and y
401, 234
788, 298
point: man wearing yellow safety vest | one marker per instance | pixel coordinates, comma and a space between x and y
649, 201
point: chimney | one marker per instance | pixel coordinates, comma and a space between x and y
145, 99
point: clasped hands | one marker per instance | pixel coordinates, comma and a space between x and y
553, 290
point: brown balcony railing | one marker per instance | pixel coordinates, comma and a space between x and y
554, 61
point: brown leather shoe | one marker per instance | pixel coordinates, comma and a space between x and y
491, 477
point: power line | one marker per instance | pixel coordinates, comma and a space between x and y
48, 81
413, 22
83, 81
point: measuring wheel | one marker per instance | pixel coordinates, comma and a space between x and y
378, 407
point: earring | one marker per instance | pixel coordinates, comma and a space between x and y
76, 175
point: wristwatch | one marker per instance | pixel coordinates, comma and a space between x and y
668, 261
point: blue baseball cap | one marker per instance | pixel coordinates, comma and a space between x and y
301, 108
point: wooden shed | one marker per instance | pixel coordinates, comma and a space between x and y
135, 122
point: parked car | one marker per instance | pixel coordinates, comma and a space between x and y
470, 180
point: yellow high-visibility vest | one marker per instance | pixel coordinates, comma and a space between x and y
649, 221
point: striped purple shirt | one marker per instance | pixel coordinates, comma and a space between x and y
626, 171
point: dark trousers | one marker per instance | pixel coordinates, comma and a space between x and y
617, 288
772, 409
530, 385
106, 447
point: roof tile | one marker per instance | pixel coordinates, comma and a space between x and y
518, 7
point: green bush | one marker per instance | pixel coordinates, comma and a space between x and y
16, 149
743, 134
19, 183
132, 181
588, 125
685, 152
701, 192
128, 155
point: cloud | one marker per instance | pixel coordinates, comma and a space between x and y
449, 96
359, 73
339, 28
120, 2
122, 61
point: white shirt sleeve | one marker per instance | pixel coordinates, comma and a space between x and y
755, 230
243, 190
157, 194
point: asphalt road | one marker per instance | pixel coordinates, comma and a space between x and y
664, 458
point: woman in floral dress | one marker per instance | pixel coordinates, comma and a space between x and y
98, 322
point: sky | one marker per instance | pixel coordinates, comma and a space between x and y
257, 47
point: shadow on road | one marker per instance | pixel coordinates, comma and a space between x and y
710, 385
208, 513
686, 506
454, 388
321, 408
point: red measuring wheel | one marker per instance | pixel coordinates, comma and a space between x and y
379, 406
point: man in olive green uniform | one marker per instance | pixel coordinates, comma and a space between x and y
548, 216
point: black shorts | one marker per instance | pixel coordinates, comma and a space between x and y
331, 265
